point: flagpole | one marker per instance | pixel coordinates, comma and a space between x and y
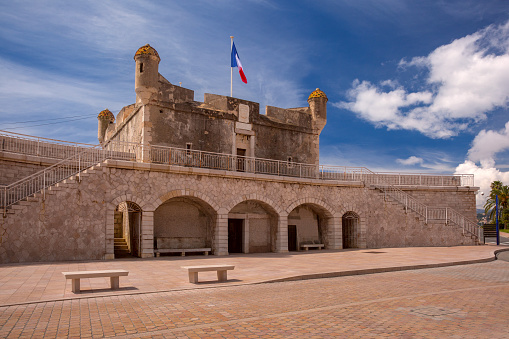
231, 68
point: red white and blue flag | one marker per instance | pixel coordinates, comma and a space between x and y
236, 63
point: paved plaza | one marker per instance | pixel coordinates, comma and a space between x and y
156, 300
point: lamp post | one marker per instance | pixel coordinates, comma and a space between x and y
496, 213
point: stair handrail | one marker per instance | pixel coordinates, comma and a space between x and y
429, 213
64, 169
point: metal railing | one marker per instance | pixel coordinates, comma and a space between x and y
64, 169
41, 147
443, 214
82, 156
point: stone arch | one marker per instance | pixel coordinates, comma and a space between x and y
311, 221
256, 197
130, 222
350, 230
360, 230
253, 224
185, 219
187, 193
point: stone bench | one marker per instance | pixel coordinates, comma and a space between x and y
182, 251
221, 271
308, 246
113, 274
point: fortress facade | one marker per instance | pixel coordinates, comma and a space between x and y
174, 175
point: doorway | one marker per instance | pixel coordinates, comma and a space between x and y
241, 160
235, 235
292, 237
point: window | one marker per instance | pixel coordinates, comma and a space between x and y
141, 67
189, 147
290, 162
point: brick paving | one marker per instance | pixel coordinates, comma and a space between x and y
470, 301
467, 301
44, 281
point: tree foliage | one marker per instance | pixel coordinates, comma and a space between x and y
502, 191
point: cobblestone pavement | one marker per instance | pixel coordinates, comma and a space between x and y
468, 301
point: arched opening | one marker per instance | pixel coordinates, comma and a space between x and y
127, 230
186, 224
307, 227
350, 228
252, 228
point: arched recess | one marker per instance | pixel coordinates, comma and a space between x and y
309, 222
253, 225
127, 229
184, 220
351, 232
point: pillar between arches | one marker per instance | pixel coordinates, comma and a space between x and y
109, 235
282, 234
147, 234
220, 244
335, 233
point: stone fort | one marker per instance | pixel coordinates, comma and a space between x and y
175, 175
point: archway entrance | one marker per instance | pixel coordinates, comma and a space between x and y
252, 228
350, 230
127, 230
184, 223
307, 227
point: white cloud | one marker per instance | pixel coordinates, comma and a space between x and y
484, 175
466, 79
413, 160
487, 143
484, 148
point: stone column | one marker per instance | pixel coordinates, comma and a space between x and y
282, 234
220, 245
110, 234
334, 233
147, 234
245, 235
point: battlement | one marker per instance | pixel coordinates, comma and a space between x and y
168, 115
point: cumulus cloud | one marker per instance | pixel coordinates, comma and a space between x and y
487, 143
465, 79
413, 160
484, 175
481, 160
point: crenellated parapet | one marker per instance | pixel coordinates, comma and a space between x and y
168, 115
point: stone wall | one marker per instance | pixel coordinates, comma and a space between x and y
75, 221
14, 167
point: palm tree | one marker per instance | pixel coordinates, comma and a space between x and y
500, 190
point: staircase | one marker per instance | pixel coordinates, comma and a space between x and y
121, 249
428, 214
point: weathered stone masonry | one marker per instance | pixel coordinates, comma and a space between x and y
75, 220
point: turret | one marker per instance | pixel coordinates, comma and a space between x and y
147, 73
105, 118
318, 106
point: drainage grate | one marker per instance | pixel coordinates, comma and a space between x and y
435, 313
374, 252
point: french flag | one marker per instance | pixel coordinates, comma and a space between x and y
236, 63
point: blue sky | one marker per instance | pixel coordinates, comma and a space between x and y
413, 86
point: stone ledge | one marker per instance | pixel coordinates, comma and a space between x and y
122, 164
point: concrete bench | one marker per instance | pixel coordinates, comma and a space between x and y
182, 251
221, 271
76, 276
308, 246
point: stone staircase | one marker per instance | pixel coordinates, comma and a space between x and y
422, 219
121, 249
51, 190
